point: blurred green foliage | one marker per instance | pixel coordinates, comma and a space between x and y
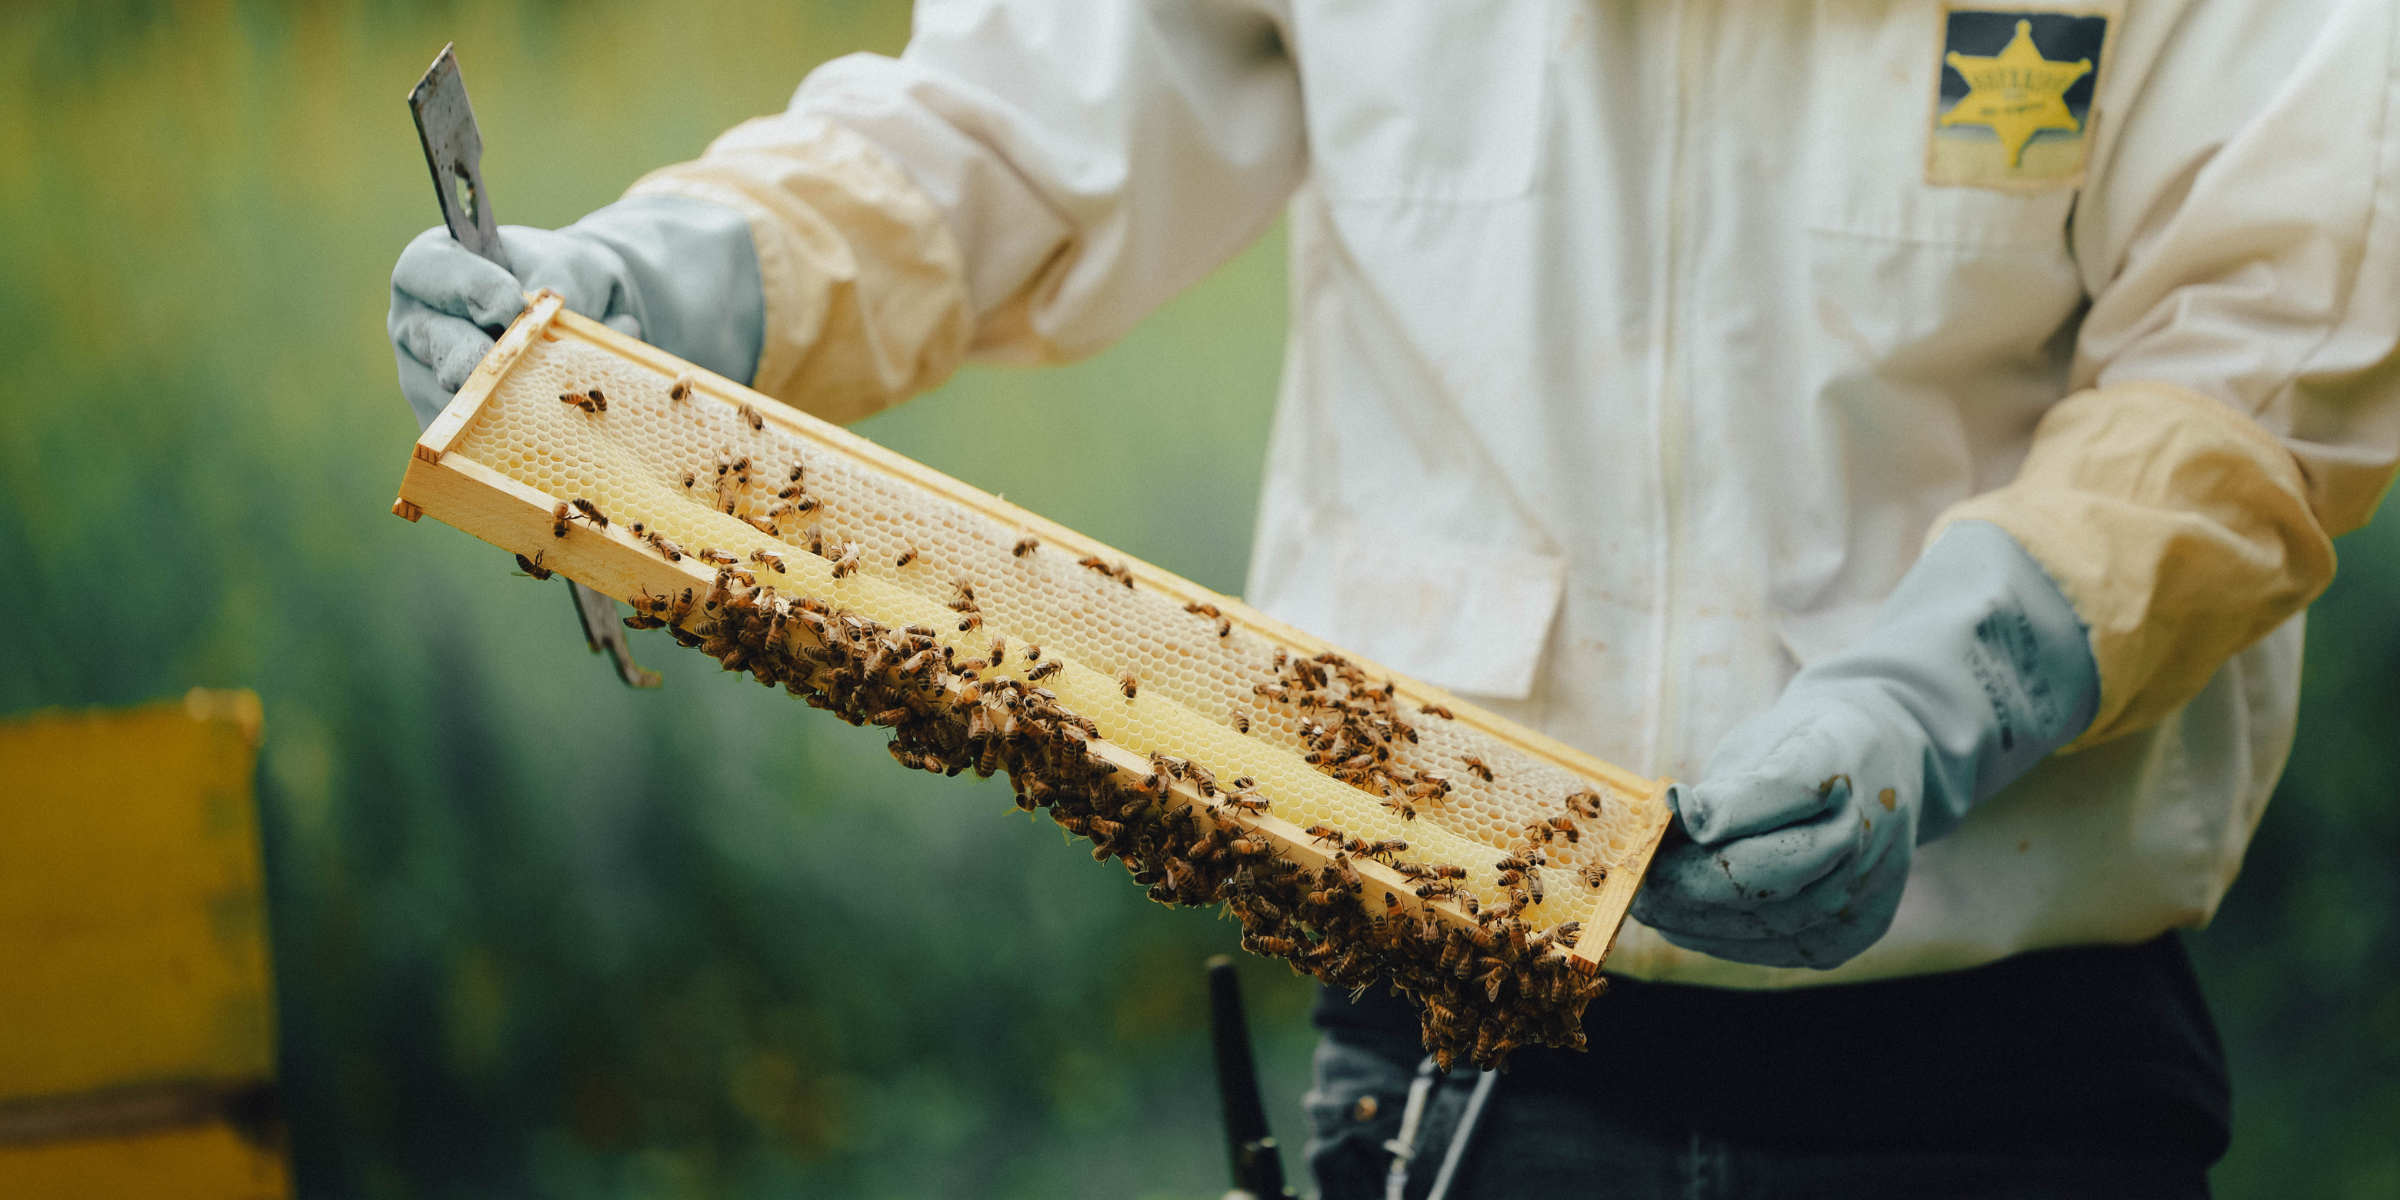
537, 935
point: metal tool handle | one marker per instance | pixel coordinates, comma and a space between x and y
454, 153
1257, 1164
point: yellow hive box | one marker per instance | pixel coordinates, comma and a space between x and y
1224, 757
136, 1011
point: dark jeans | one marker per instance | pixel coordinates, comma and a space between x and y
1538, 1142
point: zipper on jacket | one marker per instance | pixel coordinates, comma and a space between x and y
1667, 727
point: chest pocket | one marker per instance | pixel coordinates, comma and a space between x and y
1436, 100
1944, 278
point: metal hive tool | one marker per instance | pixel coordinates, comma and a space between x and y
1225, 758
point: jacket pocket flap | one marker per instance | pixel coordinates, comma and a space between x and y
1469, 618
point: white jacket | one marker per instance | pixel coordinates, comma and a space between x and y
1639, 346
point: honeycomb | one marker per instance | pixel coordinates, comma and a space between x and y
699, 472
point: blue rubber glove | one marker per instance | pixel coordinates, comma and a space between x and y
678, 273
1801, 831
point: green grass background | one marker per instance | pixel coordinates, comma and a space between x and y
539, 936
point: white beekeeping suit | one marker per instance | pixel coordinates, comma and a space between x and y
1637, 349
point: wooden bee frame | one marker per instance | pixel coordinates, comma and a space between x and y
469, 495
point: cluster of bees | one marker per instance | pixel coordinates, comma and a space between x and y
1352, 729
1486, 987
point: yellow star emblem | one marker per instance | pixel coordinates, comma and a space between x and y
2016, 93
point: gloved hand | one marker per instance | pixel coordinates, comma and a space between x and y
1801, 831
678, 273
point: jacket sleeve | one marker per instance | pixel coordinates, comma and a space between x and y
2239, 396
1028, 180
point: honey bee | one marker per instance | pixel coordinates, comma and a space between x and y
1249, 802
1117, 571
1407, 811
1566, 826
689, 479
1477, 766
1533, 887
1448, 871
1436, 710
768, 558
1593, 877
590, 511
1456, 958
1224, 626
908, 554
846, 561
558, 520
752, 416
1129, 683
1325, 833
1391, 904
681, 389
970, 622
710, 554
814, 538
1585, 803
888, 717
1436, 889
1241, 723
1348, 873
762, 524
1025, 546
1202, 608
1043, 671
590, 402
533, 566
1281, 947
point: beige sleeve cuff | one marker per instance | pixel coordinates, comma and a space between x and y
2180, 529
866, 300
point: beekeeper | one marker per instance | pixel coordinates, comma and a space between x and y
1918, 427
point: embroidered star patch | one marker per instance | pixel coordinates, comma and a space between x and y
2014, 109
